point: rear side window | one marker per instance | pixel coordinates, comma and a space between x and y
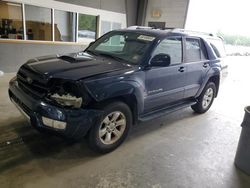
194, 50
218, 47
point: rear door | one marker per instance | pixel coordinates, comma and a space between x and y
197, 65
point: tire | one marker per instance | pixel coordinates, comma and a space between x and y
111, 129
206, 98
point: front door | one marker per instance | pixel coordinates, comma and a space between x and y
165, 84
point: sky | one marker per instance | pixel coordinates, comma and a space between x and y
227, 16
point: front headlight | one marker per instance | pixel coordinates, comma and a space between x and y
67, 100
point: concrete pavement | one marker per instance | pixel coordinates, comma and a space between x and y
182, 149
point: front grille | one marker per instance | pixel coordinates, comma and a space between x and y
33, 87
20, 103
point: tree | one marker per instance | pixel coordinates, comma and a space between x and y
87, 22
235, 39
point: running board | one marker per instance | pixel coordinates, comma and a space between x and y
165, 111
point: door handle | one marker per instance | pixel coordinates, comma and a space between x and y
181, 69
205, 65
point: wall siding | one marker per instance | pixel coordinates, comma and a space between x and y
173, 12
110, 5
13, 55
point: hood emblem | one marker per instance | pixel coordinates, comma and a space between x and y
29, 80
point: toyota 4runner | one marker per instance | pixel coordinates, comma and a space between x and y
124, 77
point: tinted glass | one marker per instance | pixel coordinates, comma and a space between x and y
193, 50
65, 26
38, 23
172, 47
11, 26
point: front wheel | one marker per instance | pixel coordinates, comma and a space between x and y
206, 98
112, 129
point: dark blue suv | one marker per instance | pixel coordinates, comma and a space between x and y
123, 77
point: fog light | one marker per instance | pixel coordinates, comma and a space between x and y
53, 123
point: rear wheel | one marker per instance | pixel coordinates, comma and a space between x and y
112, 129
206, 98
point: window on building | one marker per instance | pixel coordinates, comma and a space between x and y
38, 23
11, 25
172, 47
194, 51
86, 27
107, 26
65, 26
116, 26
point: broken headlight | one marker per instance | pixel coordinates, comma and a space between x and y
67, 100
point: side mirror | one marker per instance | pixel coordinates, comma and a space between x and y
161, 60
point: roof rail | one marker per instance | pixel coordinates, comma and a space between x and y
139, 27
173, 30
194, 32
166, 28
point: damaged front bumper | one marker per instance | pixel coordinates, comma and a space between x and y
71, 123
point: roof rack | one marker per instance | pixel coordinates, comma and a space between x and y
167, 28
139, 27
193, 32
173, 30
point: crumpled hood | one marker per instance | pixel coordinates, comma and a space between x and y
73, 66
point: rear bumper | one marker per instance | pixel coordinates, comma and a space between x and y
78, 121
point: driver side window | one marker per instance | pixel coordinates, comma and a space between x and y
171, 47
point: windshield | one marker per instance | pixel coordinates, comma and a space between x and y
127, 46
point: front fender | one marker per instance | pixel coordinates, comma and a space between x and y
108, 89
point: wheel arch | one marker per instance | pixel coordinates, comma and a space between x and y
213, 78
129, 99
130, 92
216, 80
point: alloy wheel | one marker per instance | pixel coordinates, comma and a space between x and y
112, 127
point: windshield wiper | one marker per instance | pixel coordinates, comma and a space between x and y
106, 55
92, 52
112, 56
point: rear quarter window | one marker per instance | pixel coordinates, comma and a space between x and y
218, 47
